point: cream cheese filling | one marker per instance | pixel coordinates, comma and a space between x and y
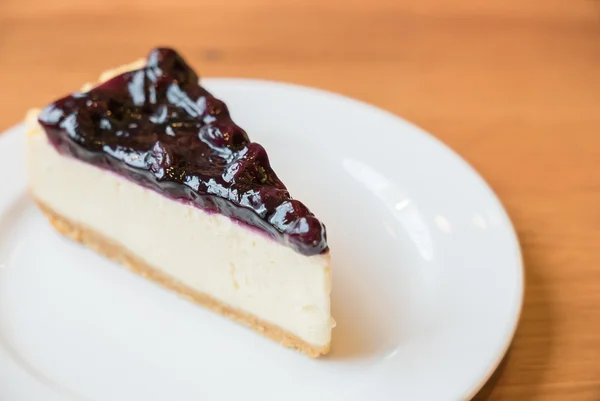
208, 252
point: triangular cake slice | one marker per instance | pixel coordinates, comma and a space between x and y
148, 168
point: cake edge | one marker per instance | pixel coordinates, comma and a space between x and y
113, 251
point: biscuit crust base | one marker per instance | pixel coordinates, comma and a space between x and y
108, 248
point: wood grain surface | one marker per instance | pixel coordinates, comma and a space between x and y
512, 85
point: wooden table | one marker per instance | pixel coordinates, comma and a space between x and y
512, 85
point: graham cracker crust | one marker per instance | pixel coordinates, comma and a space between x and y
118, 253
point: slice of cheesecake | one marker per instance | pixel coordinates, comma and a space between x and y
147, 168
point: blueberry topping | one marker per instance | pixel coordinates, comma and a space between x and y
159, 128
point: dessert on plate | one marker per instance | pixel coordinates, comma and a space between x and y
147, 168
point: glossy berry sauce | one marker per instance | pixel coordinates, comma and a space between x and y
159, 128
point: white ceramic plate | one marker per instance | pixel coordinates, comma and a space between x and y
428, 279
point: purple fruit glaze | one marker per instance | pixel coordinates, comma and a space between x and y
159, 128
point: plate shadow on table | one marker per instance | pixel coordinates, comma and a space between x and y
521, 371
487, 390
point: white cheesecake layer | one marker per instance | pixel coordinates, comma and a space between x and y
207, 252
